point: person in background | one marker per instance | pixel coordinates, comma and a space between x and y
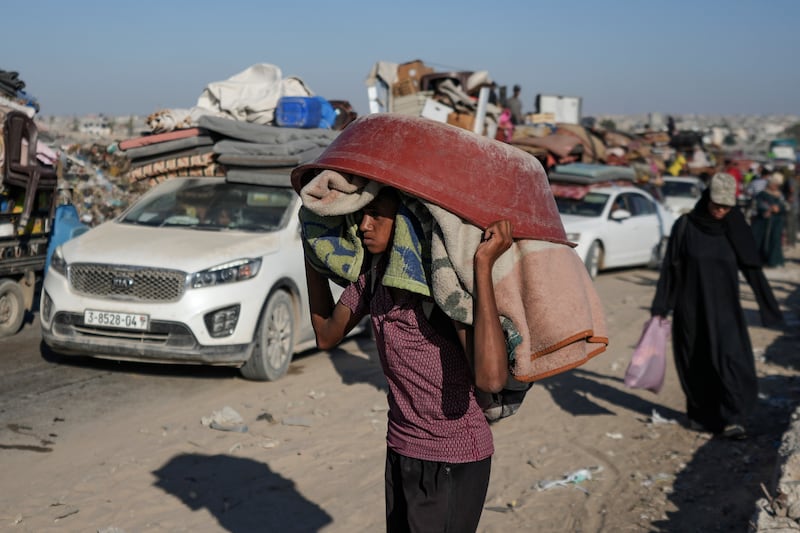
769, 218
733, 169
678, 164
505, 129
699, 284
514, 104
757, 183
493, 93
748, 176
439, 444
790, 194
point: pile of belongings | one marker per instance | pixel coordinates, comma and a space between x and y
417, 90
28, 166
13, 95
560, 143
230, 132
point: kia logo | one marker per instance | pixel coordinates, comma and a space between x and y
121, 283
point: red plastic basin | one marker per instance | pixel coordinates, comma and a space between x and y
479, 179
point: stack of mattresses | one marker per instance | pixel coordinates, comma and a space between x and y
220, 146
160, 156
246, 149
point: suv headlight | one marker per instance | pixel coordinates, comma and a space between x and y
58, 263
240, 270
573, 237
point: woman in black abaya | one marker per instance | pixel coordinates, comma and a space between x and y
699, 282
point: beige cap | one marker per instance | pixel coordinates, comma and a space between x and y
723, 189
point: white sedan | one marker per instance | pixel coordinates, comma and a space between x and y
198, 270
615, 226
681, 193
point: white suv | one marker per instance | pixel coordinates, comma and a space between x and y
198, 270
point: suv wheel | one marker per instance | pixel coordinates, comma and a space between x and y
274, 344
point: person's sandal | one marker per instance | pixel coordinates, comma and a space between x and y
734, 431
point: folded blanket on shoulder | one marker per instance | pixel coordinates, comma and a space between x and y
329, 223
550, 312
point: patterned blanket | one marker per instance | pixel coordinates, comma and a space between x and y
550, 312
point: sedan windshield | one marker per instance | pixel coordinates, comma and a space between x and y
213, 204
681, 189
591, 205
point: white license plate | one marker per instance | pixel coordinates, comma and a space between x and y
115, 320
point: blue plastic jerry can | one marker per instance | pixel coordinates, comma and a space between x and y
66, 225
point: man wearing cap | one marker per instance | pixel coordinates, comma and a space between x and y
699, 284
514, 104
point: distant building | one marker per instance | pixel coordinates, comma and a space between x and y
97, 126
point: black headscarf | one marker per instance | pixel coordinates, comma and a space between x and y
733, 226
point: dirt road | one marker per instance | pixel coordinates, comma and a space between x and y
125, 446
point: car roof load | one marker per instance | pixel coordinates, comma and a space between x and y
590, 173
265, 177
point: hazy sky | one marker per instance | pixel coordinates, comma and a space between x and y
622, 56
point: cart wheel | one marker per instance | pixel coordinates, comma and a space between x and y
12, 307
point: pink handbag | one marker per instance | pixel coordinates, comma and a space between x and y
649, 361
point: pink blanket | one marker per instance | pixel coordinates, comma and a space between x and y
146, 140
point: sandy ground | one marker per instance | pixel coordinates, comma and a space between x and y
311, 458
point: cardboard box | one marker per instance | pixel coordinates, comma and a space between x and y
461, 120
435, 110
543, 118
404, 88
413, 71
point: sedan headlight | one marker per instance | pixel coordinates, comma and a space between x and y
573, 237
240, 270
58, 263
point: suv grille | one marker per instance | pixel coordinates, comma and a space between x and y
128, 283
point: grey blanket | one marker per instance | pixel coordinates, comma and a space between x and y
259, 133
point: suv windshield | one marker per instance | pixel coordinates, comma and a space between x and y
213, 204
591, 205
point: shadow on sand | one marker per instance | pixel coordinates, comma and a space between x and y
572, 392
243, 495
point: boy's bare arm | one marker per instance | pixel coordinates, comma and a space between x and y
488, 346
331, 321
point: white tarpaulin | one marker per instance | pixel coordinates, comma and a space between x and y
252, 95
